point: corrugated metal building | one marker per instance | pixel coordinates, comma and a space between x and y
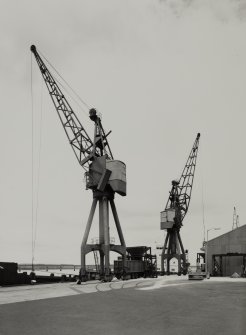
227, 253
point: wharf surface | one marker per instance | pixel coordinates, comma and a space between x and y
164, 305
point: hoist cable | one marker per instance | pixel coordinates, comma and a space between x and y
35, 197
32, 163
38, 170
75, 93
65, 89
203, 209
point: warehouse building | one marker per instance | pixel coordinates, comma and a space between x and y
227, 253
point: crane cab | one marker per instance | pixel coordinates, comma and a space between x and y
167, 218
104, 172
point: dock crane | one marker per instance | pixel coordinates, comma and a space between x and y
104, 175
174, 213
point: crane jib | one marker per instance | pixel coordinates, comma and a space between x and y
180, 194
78, 138
95, 156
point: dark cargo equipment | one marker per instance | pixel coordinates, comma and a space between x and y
139, 263
10, 276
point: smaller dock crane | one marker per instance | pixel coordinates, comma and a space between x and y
174, 213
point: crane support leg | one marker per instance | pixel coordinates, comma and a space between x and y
173, 248
117, 223
101, 239
119, 230
163, 253
179, 266
180, 243
85, 238
104, 245
106, 238
184, 264
168, 266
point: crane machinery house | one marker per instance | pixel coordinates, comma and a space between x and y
107, 172
167, 218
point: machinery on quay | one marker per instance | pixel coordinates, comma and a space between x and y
196, 272
104, 175
139, 263
174, 213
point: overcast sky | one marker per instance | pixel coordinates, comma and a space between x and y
159, 72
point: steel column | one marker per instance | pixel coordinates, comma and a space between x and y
163, 253
101, 237
106, 235
117, 223
173, 248
85, 238
119, 230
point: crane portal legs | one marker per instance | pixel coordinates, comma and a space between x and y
104, 247
171, 249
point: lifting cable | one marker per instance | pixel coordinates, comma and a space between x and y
32, 167
39, 167
203, 210
35, 197
69, 86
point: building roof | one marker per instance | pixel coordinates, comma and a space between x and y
231, 232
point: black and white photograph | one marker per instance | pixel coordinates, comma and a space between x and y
122, 174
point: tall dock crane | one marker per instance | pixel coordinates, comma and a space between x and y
104, 175
174, 213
